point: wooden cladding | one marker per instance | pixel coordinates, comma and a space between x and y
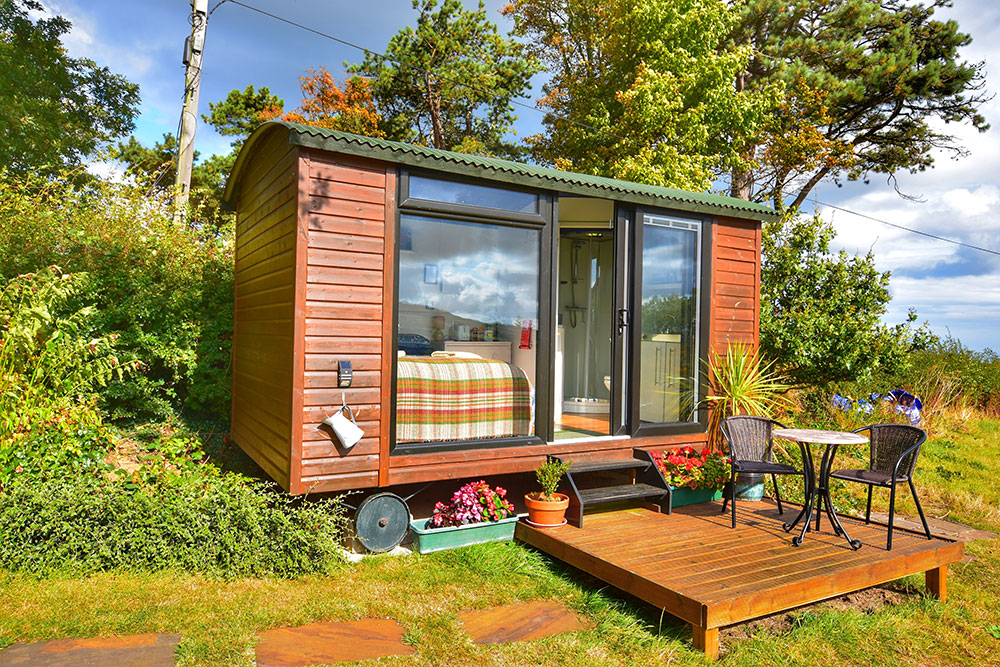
735, 311
263, 336
314, 286
344, 220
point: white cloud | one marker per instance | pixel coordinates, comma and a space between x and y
972, 203
132, 57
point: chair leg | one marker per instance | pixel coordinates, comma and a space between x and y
777, 494
920, 510
892, 512
868, 509
732, 488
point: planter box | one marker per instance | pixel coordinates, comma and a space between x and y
685, 496
428, 540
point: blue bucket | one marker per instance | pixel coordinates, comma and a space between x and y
749, 486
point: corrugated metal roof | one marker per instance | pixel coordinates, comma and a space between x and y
507, 171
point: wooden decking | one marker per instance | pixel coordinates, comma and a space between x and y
694, 566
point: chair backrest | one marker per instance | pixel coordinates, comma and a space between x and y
888, 442
750, 438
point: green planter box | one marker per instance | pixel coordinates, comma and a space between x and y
685, 496
428, 540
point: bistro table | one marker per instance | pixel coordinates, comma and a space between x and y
818, 486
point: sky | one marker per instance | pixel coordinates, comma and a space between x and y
956, 290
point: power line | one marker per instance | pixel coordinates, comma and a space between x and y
532, 107
910, 229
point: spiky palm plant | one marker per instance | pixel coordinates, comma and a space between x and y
741, 383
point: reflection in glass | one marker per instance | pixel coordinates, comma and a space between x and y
470, 194
469, 289
668, 365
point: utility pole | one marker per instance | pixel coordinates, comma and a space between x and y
193, 47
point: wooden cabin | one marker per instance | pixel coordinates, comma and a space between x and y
491, 312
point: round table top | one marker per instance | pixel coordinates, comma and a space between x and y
812, 435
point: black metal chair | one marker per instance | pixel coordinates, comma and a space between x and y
893, 457
751, 447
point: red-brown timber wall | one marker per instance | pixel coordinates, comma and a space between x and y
297, 319
347, 222
263, 334
735, 283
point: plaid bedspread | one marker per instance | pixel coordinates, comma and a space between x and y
460, 399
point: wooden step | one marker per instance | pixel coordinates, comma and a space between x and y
608, 464
610, 494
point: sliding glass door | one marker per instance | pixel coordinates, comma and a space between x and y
668, 330
630, 331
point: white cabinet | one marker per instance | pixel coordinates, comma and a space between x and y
659, 379
495, 349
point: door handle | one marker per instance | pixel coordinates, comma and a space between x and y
624, 320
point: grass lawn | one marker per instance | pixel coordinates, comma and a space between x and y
218, 620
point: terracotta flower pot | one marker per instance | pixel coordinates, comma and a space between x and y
546, 513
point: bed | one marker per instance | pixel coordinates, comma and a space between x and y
440, 399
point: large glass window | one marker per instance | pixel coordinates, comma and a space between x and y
468, 292
668, 347
471, 194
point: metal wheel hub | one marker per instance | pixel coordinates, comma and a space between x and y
381, 522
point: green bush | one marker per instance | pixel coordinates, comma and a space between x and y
164, 288
224, 526
821, 312
51, 363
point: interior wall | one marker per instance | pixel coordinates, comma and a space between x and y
584, 356
586, 304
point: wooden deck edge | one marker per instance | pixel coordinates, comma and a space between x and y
830, 585
681, 606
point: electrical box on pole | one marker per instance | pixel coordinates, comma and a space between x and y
194, 45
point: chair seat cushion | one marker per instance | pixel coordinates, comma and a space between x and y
766, 467
867, 477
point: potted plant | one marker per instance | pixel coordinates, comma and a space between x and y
477, 513
546, 508
694, 477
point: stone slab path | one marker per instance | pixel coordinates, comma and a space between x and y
520, 622
314, 643
319, 643
148, 650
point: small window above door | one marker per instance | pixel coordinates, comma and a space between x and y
470, 194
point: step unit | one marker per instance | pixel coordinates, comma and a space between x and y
646, 483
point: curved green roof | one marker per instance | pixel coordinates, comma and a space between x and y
495, 169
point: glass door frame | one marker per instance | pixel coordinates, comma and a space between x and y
633, 292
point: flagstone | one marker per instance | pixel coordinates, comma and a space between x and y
146, 650
521, 621
326, 642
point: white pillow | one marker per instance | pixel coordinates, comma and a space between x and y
455, 355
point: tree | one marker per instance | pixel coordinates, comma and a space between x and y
821, 313
866, 85
324, 104
56, 110
450, 82
156, 168
237, 116
242, 111
640, 89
